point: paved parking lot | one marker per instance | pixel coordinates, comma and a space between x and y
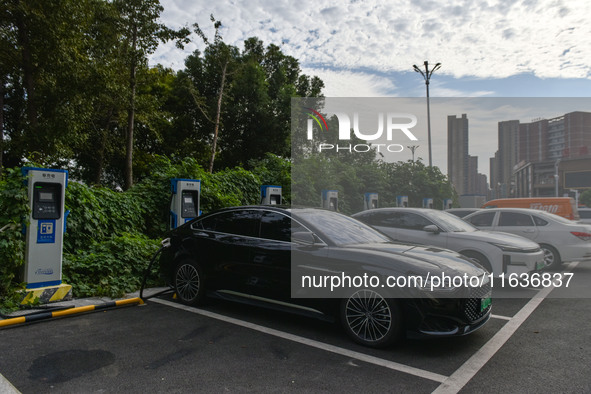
530, 345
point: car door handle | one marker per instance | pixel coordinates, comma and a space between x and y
528, 231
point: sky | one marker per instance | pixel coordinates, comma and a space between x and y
487, 49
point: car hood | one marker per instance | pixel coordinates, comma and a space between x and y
423, 259
498, 238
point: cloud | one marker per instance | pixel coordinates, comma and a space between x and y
344, 83
486, 39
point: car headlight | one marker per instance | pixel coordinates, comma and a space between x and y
510, 248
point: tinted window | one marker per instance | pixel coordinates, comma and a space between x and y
413, 221
242, 222
539, 221
484, 219
276, 226
515, 219
406, 220
385, 219
585, 214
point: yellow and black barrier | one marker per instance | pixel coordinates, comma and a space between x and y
67, 312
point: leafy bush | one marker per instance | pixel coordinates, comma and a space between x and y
110, 268
13, 210
97, 213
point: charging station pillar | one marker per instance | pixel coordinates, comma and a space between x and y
270, 195
402, 201
447, 203
184, 204
370, 201
44, 235
330, 200
428, 203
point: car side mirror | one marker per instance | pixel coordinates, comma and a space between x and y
303, 238
431, 228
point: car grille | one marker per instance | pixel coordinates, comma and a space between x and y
472, 305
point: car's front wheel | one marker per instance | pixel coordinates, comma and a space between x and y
370, 319
188, 282
551, 256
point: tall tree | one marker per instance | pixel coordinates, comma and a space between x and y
141, 33
221, 55
42, 51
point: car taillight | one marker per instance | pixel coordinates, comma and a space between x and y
581, 235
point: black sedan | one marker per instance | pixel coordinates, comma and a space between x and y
322, 263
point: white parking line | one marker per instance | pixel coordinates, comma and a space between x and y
310, 342
500, 317
470, 368
6, 387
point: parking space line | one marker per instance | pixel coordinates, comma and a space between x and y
457, 380
6, 387
500, 317
312, 343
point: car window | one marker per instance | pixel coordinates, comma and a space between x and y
367, 217
384, 219
539, 221
484, 219
276, 226
240, 222
412, 221
585, 214
515, 219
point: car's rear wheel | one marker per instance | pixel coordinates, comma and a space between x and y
370, 319
188, 282
479, 258
551, 256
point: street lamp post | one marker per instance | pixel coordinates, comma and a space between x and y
412, 149
556, 163
427, 76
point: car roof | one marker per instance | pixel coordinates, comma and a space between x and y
517, 210
409, 209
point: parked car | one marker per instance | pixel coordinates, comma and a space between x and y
561, 206
585, 215
562, 240
252, 254
461, 212
496, 252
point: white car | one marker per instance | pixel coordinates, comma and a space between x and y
496, 252
562, 240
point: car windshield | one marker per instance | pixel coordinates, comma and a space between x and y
450, 223
340, 229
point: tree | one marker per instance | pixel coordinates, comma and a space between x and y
221, 55
585, 198
141, 34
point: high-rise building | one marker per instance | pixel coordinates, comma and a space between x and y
457, 152
567, 136
531, 153
532, 141
506, 157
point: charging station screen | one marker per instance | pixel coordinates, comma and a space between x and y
46, 200
188, 209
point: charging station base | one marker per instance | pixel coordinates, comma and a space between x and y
62, 292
